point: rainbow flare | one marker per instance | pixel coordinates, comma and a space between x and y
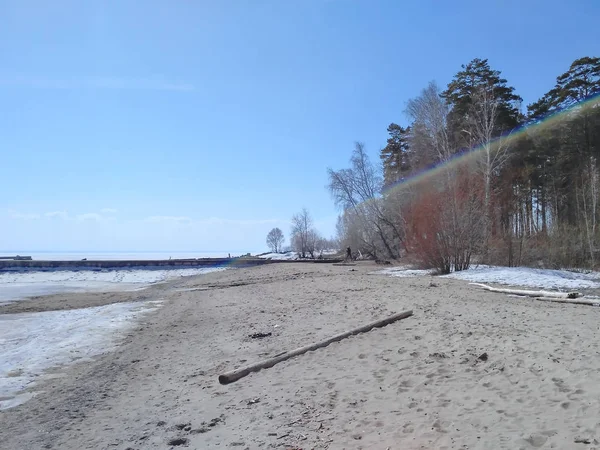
467, 156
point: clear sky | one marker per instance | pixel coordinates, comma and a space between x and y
200, 125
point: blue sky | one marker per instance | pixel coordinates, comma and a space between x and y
200, 125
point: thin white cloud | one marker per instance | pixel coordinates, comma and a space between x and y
242, 221
109, 214
213, 220
94, 82
89, 216
60, 214
174, 219
23, 216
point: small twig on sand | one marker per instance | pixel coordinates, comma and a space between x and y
283, 435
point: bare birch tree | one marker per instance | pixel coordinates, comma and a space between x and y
589, 204
429, 112
457, 230
301, 228
358, 189
275, 240
482, 124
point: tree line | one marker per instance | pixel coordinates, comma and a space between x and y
304, 237
476, 175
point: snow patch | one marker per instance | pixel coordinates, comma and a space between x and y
31, 343
288, 256
525, 276
15, 285
403, 272
512, 276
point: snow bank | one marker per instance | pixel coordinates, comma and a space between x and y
288, 256
16, 285
280, 256
525, 276
512, 276
104, 275
33, 342
403, 272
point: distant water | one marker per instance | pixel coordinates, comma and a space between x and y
111, 256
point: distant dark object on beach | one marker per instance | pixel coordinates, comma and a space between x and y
383, 262
260, 335
84, 259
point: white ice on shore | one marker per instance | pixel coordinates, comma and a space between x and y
513, 276
404, 272
30, 343
290, 256
15, 285
526, 276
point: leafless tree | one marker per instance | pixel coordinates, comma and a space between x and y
359, 233
301, 227
458, 224
275, 239
482, 127
587, 199
314, 243
429, 137
358, 190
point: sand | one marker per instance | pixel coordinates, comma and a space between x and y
469, 369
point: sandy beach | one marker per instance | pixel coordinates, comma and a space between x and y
470, 369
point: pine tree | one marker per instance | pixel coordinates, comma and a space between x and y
580, 82
474, 80
572, 147
395, 156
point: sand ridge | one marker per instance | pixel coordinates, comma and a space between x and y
421, 382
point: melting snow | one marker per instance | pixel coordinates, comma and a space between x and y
512, 276
15, 285
280, 256
288, 256
525, 276
404, 272
33, 342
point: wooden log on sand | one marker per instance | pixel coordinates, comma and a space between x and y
577, 301
234, 375
525, 293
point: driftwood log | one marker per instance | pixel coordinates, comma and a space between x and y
544, 296
524, 293
234, 375
577, 301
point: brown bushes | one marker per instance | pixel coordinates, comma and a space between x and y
445, 223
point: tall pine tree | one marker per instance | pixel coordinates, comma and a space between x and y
475, 80
395, 156
571, 147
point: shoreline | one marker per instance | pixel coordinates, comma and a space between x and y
143, 264
147, 264
418, 383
